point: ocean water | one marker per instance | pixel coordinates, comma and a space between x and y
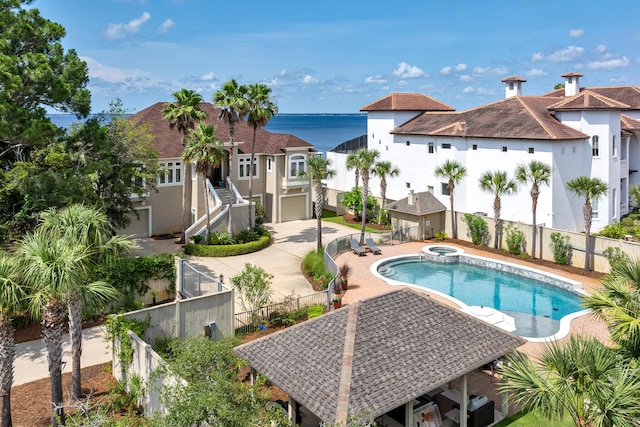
324, 131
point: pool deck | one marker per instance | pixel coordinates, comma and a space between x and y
362, 284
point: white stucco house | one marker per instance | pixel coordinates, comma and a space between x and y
591, 131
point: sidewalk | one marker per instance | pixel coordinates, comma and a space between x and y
291, 242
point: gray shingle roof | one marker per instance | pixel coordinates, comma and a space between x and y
423, 203
404, 345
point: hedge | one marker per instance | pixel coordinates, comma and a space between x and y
228, 250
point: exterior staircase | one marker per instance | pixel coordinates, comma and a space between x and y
224, 195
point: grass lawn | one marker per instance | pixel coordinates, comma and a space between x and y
532, 419
332, 217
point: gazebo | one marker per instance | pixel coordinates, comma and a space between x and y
377, 355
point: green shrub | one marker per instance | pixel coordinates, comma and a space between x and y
197, 239
246, 236
616, 257
260, 213
229, 250
613, 231
315, 311
561, 248
515, 241
221, 238
478, 229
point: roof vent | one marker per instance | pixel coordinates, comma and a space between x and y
514, 86
411, 198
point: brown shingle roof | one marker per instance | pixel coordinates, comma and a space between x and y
588, 100
424, 203
168, 142
517, 117
407, 102
404, 345
629, 95
629, 123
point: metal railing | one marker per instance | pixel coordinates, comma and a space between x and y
194, 283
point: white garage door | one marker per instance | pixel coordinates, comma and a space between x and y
139, 226
293, 208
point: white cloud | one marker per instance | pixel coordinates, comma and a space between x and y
465, 78
119, 31
468, 89
460, 67
570, 53
166, 26
208, 76
407, 71
609, 64
309, 80
601, 48
576, 33
488, 71
127, 77
446, 70
536, 72
538, 56
377, 79
620, 79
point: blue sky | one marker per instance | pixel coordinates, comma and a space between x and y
335, 56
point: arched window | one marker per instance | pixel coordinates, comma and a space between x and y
296, 163
595, 146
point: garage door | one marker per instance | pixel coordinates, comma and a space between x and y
139, 226
293, 208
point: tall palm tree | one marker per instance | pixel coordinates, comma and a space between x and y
182, 114
352, 163
206, 152
51, 268
617, 303
537, 173
261, 110
317, 170
589, 188
12, 298
365, 160
453, 172
233, 104
583, 379
383, 170
86, 228
498, 184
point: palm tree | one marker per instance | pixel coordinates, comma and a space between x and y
206, 152
87, 228
583, 379
317, 170
233, 104
261, 110
12, 297
453, 172
52, 268
182, 115
364, 163
383, 170
537, 173
589, 188
617, 303
352, 163
498, 184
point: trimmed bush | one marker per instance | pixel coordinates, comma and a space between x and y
561, 248
478, 229
515, 241
228, 250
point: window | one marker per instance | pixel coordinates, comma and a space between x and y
594, 209
474, 147
431, 148
532, 150
296, 163
623, 149
562, 150
430, 189
573, 149
172, 173
504, 148
613, 204
408, 184
444, 188
269, 164
408, 143
373, 136
244, 168
595, 146
623, 191
510, 85
446, 146
614, 148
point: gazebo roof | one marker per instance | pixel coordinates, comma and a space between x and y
375, 355
422, 203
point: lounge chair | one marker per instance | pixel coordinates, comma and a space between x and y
372, 247
356, 248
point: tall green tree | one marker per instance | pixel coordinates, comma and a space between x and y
366, 160
453, 172
206, 152
36, 73
537, 173
234, 106
318, 169
88, 229
617, 303
352, 164
182, 114
582, 379
383, 170
261, 110
589, 189
12, 299
498, 184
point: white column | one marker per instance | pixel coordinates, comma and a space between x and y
293, 406
463, 401
408, 414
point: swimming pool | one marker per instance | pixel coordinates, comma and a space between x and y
541, 304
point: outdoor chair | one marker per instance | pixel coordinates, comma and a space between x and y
372, 247
356, 248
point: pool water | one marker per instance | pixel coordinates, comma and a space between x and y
536, 307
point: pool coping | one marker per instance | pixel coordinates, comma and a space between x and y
540, 275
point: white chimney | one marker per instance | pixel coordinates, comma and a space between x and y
571, 83
514, 86
411, 198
